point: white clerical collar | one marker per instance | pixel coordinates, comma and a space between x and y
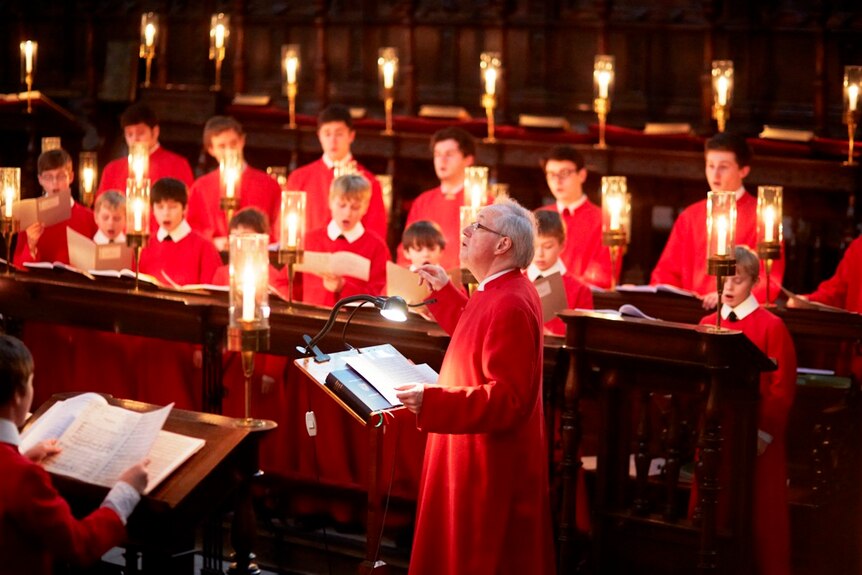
742, 310
101, 239
178, 234
491, 278
573, 206
534, 273
332, 163
9, 432
333, 231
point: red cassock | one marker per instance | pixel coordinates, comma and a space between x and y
844, 290
483, 502
578, 296
52, 245
437, 207
37, 527
165, 370
163, 164
584, 255
683, 261
368, 245
255, 189
315, 180
777, 389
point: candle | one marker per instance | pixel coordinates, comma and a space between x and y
88, 179
389, 75
292, 230
721, 87
491, 81
248, 293
721, 236
604, 79
768, 224
291, 65
149, 34
852, 97
9, 198
615, 207
219, 36
229, 182
28, 57
136, 162
476, 196
138, 212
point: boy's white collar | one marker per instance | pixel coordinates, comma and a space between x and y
533, 272
333, 231
179, 233
748, 306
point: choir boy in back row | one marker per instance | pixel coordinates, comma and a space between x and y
423, 243
255, 188
141, 125
741, 311
336, 135
550, 242
110, 213
584, 255
453, 149
683, 261
348, 202
37, 528
41, 243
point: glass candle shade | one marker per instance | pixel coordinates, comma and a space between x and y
139, 161
51, 143
138, 207
29, 50
387, 68
722, 83
720, 224
603, 77
149, 32
10, 191
852, 91
290, 65
616, 210
475, 186
489, 68
230, 170
344, 168
292, 221
770, 231
219, 33
88, 176
249, 281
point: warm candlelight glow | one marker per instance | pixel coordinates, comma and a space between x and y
292, 230
138, 210
603, 76
475, 186
615, 206
219, 36
490, 81
8, 201
88, 179
149, 34
721, 88
292, 221
291, 66
248, 293
490, 64
604, 79
769, 224
29, 49
852, 97
721, 236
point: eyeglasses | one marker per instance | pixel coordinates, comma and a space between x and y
561, 175
477, 226
53, 178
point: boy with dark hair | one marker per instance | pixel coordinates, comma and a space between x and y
335, 133
41, 243
141, 124
741, 311
37, 527
585, 257
254, 188
550, 243
683, 261
423, 243
453, 149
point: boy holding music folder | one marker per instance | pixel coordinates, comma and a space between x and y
323, 282
37, 527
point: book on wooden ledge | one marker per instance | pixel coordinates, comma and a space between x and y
99, 441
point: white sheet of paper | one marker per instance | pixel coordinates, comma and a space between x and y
335, 263
386, 372
401, 281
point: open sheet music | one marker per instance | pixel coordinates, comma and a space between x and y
49, 210
552, 293
99, 441
85, 254
335, 263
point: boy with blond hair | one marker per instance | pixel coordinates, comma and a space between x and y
109, 212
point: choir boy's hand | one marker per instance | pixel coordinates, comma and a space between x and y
434, 276
42, 451
136, 475
34, 232
710, 300
333, 283
411, 396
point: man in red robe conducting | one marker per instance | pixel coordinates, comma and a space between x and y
483, 501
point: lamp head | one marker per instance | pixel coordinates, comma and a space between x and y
393, 308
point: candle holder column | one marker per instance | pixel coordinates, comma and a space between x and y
720, 234
603, 84
10, 194
291, 244
137, 219
490, 67
852, 87
770, 231
616, 219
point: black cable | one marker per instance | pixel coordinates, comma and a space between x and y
388, 490
347, 323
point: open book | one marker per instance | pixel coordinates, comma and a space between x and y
99, 441
335, 263
801, 302
552, 293
401, 281
626, 310
660, 288
49, 210
85, 254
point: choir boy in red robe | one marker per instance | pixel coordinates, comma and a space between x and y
348, 202
37, 528
141, 124
336, 134
423, 243
110, 215
255, 188
170, 371
683, 261
550, 242
483, 502
41, 243
844, 290
453, 150
741, 311
585, 257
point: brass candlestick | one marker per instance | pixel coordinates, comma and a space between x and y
290, 257
291, 105
720, 267
615, 240
229, 205
137, 241
768, 251
248, 338
719, 112
602, 106
489, 102
851, 134
388, 102
8, 227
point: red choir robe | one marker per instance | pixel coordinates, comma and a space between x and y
683, 261
368, 245
844, 290
165, 369
315, 180
36, 525
437, 207
255, 189
584, 255
52, 245
163, 164
483, 501
777, 389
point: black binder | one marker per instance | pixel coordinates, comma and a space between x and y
356, 392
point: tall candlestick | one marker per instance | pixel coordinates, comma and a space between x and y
248, 293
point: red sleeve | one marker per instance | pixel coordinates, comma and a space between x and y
834, 290
198, 213
112, 177
449, 306
668, 269
49, 519
210, 262
778, 387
